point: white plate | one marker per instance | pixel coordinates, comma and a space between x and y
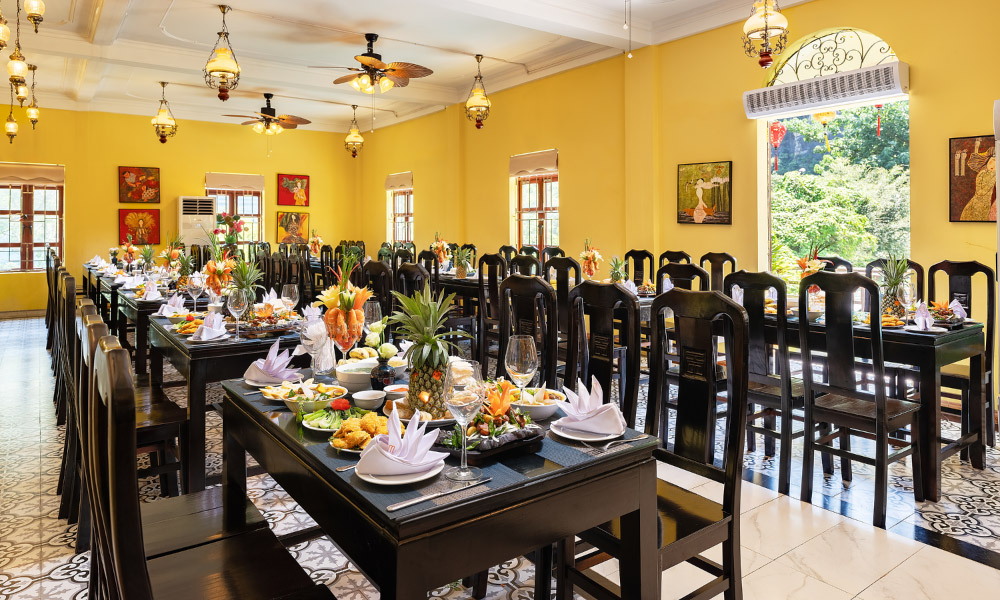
400, 479
258, 384
218, 339
431, 423
581, 436
348, 450
330, 431
933, 329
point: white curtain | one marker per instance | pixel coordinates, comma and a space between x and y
24, 173
534, 163
234, 181
399, 181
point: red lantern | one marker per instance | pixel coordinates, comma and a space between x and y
777, 131
878, 126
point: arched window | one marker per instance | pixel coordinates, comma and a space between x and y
830, 52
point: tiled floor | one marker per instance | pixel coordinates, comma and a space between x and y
790, 549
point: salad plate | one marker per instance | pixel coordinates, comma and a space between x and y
582, 436
400, 479
916, 329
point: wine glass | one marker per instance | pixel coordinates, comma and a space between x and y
313, 337
521, 360
290, 295
237, 304
373, 314
195, 287
463, 395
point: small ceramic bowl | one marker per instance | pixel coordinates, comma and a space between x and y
369, 399
396, 391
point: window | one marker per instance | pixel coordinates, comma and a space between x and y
31, 218
248, 204
537, 216
402, 215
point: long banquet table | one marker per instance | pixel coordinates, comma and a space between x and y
137, 311
532, 501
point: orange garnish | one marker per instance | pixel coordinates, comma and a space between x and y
425, 397
499, 402
267, 311
939, 305
437, 376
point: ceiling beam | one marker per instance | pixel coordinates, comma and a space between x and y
107, 22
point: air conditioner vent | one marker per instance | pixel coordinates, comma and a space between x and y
801, 97
197, 205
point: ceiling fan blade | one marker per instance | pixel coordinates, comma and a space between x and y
345, 78
397, 80
326, 67
368, 61
249, 122
410, 70
287, 125
293, 119
241, 116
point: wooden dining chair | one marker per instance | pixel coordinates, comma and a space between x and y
528, 307
410, 278
508, 253
717, 262
253, 564
377, 276
385, 255
836, 264
604, 341
492, 270
562, 269
689, 524
280, 270
306, 281
326, 276
835, 400
400, 256
636, 268
283, 249
961, 280
65, 487
550, 252
473, 252
51, 265
673, 256
529, 251
429, 261
525, 264
878, 265
771, 384
682, 275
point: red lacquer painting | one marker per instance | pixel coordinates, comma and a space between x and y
139, 184
142, 223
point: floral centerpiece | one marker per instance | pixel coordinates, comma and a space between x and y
129, 250
440, 248
810, 264
229, 227
315, 243
218, 270
345, 316
590, 259
382, 374
172, 250
113, 252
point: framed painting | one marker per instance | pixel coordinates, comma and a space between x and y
293, 227
142, 223
705, 193
972, 176
293, 190
139, 184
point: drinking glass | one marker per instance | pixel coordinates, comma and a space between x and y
195, 287
312, 337
373, 314
463, 395
521, 360
290, 295
237, 304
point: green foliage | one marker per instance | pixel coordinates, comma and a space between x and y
421, 320
617, 269
462, 257
246, 276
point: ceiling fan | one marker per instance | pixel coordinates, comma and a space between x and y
268, 121
375, 73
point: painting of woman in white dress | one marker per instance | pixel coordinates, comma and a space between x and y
973, 178
705, 193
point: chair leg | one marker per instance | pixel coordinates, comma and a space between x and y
83, 532
67, 479
785, 459
770, 422
543, 572
881, 477
966, 425
731, 567
566, 561
846, 473
827, 458
918, 467
751, 437
807, 462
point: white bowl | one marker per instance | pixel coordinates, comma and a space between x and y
396, 391
539, 412
356, 376
309, 406
178, 318
369, 399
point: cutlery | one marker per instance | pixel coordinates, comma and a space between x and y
603, 447
399, 505
581, 431
345, 468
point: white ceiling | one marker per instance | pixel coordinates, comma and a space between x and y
107, 55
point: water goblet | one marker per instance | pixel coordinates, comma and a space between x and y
521, 360
290, 295
237, 304
373, 314
464, 399
195, 287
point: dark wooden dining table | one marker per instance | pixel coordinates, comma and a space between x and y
201, 363
137, 311
532, 501
927, 352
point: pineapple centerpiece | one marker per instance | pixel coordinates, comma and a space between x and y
185, 266
421, 320
463, 260
893, 282
617, 268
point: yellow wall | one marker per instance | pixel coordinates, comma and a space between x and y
623, 125
92, 145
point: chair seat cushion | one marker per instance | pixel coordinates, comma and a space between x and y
252, 565
798, 391
159, 414
864, 408
183, 522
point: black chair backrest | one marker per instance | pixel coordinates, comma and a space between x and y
326, 264
385, 254
682, 275
265, 246
377, 276
717, 266
263, 260
960, 282
669, 256
560, 268
529, 250
399, 257
613, 313
410, 278
528, 307
453, 246
878, 265
280, 271
283, 249
410, 247
473, 253
525, 264
307, 287
492, 270
756, 287
198, 261
833, 264
696, 317
550, 252
636, 268
429, 261
507, 252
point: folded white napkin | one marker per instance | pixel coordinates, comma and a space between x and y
151, 293
922, 317
586, 411
129, 283
667, 285
272, 298
630, 286
110, 270
395, 454
172, 307
738, 295
213, 327
311, 312
96, 260
959, 310
273, 369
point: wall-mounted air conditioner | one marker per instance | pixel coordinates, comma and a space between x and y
883, 82
195, 218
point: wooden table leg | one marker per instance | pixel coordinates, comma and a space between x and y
977, 412
141, 343
196, 423
930, 429
639, 563
543, 572
155, 367
234, 474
